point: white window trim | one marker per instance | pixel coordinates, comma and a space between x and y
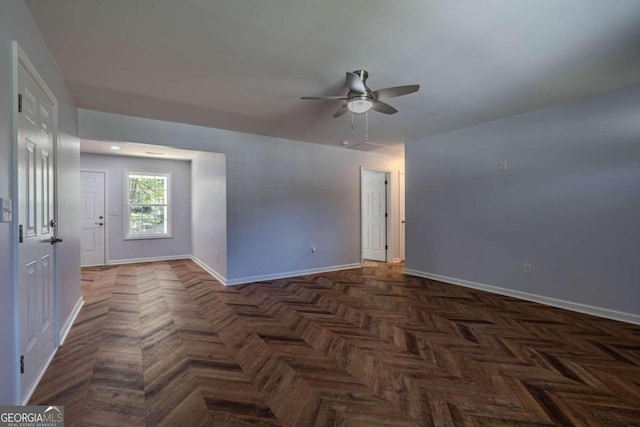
127, 214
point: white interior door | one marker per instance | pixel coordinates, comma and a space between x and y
93, 218
402, 215
374, 215
36, 275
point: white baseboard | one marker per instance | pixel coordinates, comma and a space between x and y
64, 331
285, 275
554, 302
219, 277
26, 397
396, 260
253, 279
149, 259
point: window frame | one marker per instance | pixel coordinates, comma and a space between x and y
127, 207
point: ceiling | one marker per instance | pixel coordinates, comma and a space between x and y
243, 65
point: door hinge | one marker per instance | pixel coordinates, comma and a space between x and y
386, 215
386, 182
22, 364
19, 103
20, 234
386, 247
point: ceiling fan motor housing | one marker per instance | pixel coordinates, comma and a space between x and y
363, 74
360, 102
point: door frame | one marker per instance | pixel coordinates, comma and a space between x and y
389, 176
106, 209
19, 58
402, 215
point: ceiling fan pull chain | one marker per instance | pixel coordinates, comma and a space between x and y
366, 126
352, 126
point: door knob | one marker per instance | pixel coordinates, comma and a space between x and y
55, 240
99, 223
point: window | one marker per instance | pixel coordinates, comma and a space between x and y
147, 205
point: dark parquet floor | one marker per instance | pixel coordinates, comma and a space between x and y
164, 343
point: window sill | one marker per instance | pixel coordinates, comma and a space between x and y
148, 237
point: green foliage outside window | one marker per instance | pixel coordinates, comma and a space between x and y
148, 196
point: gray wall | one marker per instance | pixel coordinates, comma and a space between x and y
569, 202
126, 250
209, 210
17, 24
282, 196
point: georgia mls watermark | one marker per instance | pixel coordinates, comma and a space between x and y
31, 416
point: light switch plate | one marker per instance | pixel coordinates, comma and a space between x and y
113, 212
6, 210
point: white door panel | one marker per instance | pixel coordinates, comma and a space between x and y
93, 218
46, 205
374, 215
36, 274
29, 167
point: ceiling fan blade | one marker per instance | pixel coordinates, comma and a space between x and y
391, 92
341, 111
336, 97
381, 107
355, 83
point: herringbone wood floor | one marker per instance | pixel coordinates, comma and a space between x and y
165, 344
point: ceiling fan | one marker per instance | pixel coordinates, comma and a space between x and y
361, 99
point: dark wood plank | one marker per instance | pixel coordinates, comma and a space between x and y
164, 343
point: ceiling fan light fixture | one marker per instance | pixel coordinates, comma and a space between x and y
359, 104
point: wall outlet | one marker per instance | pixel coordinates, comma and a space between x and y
503, 165
527, 268
218, 255
313, 249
